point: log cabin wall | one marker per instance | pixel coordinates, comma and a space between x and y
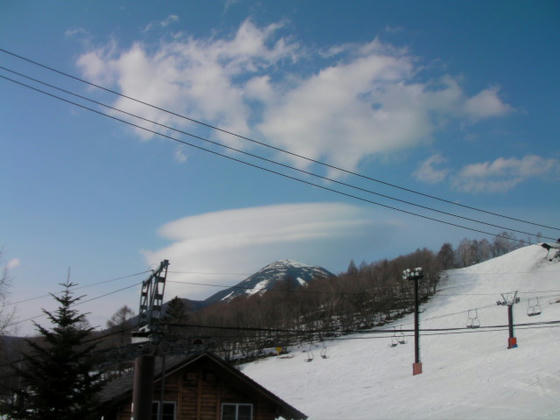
199, 391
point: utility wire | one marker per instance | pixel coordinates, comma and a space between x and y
207, 273
551, 292
261, 167
88, 341
85, 286
78, 303
279, 149
349, 331
379, 332
429, 334
256, 156
476, 273
294, 291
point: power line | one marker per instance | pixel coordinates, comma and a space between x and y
429, 334
224, 287
207, 273
291, 291
476, 273
256, 156
350, 331
450, 314
279, 149
90, 340
261, 167
78, 303
80, 287
339, 338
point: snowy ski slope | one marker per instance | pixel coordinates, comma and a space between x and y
466, 376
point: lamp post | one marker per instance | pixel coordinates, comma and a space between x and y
415, 275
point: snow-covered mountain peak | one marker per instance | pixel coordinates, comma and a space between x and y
295, 273
280, 264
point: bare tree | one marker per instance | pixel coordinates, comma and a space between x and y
445, 256
119, 323
6, 310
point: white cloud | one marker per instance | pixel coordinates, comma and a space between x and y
503, 174
428, 172
169, 20
243, 240
229, 3
163, 23
180, 155
486, 104
364, 99
393, 29
76, 31
194, 76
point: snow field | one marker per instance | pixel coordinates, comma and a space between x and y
466, 376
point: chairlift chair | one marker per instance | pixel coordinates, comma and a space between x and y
533, 307
401, 338
472, 319
394, 339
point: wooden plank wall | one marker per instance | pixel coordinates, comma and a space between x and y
199, 392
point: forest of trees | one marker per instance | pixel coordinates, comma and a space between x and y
364, 296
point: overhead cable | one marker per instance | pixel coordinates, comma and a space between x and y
85, 286
256, 156
303, 181
264, 144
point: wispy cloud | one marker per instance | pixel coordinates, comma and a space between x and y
76, 31
364, 98
393, 29
180, 155
162, 23
229, 3
503, 174
429, 172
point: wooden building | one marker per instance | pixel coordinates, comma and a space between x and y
200, 387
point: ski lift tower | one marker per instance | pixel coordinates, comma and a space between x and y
415, 275
149, 330
151, 302
510, 299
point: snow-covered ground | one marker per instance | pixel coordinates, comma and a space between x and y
466, 376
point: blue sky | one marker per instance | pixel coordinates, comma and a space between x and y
453, 99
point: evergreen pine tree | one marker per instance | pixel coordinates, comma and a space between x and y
175, 313
58, 375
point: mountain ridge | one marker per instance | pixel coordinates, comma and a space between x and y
268, 277
296, 273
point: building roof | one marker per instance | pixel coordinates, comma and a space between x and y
120, 389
